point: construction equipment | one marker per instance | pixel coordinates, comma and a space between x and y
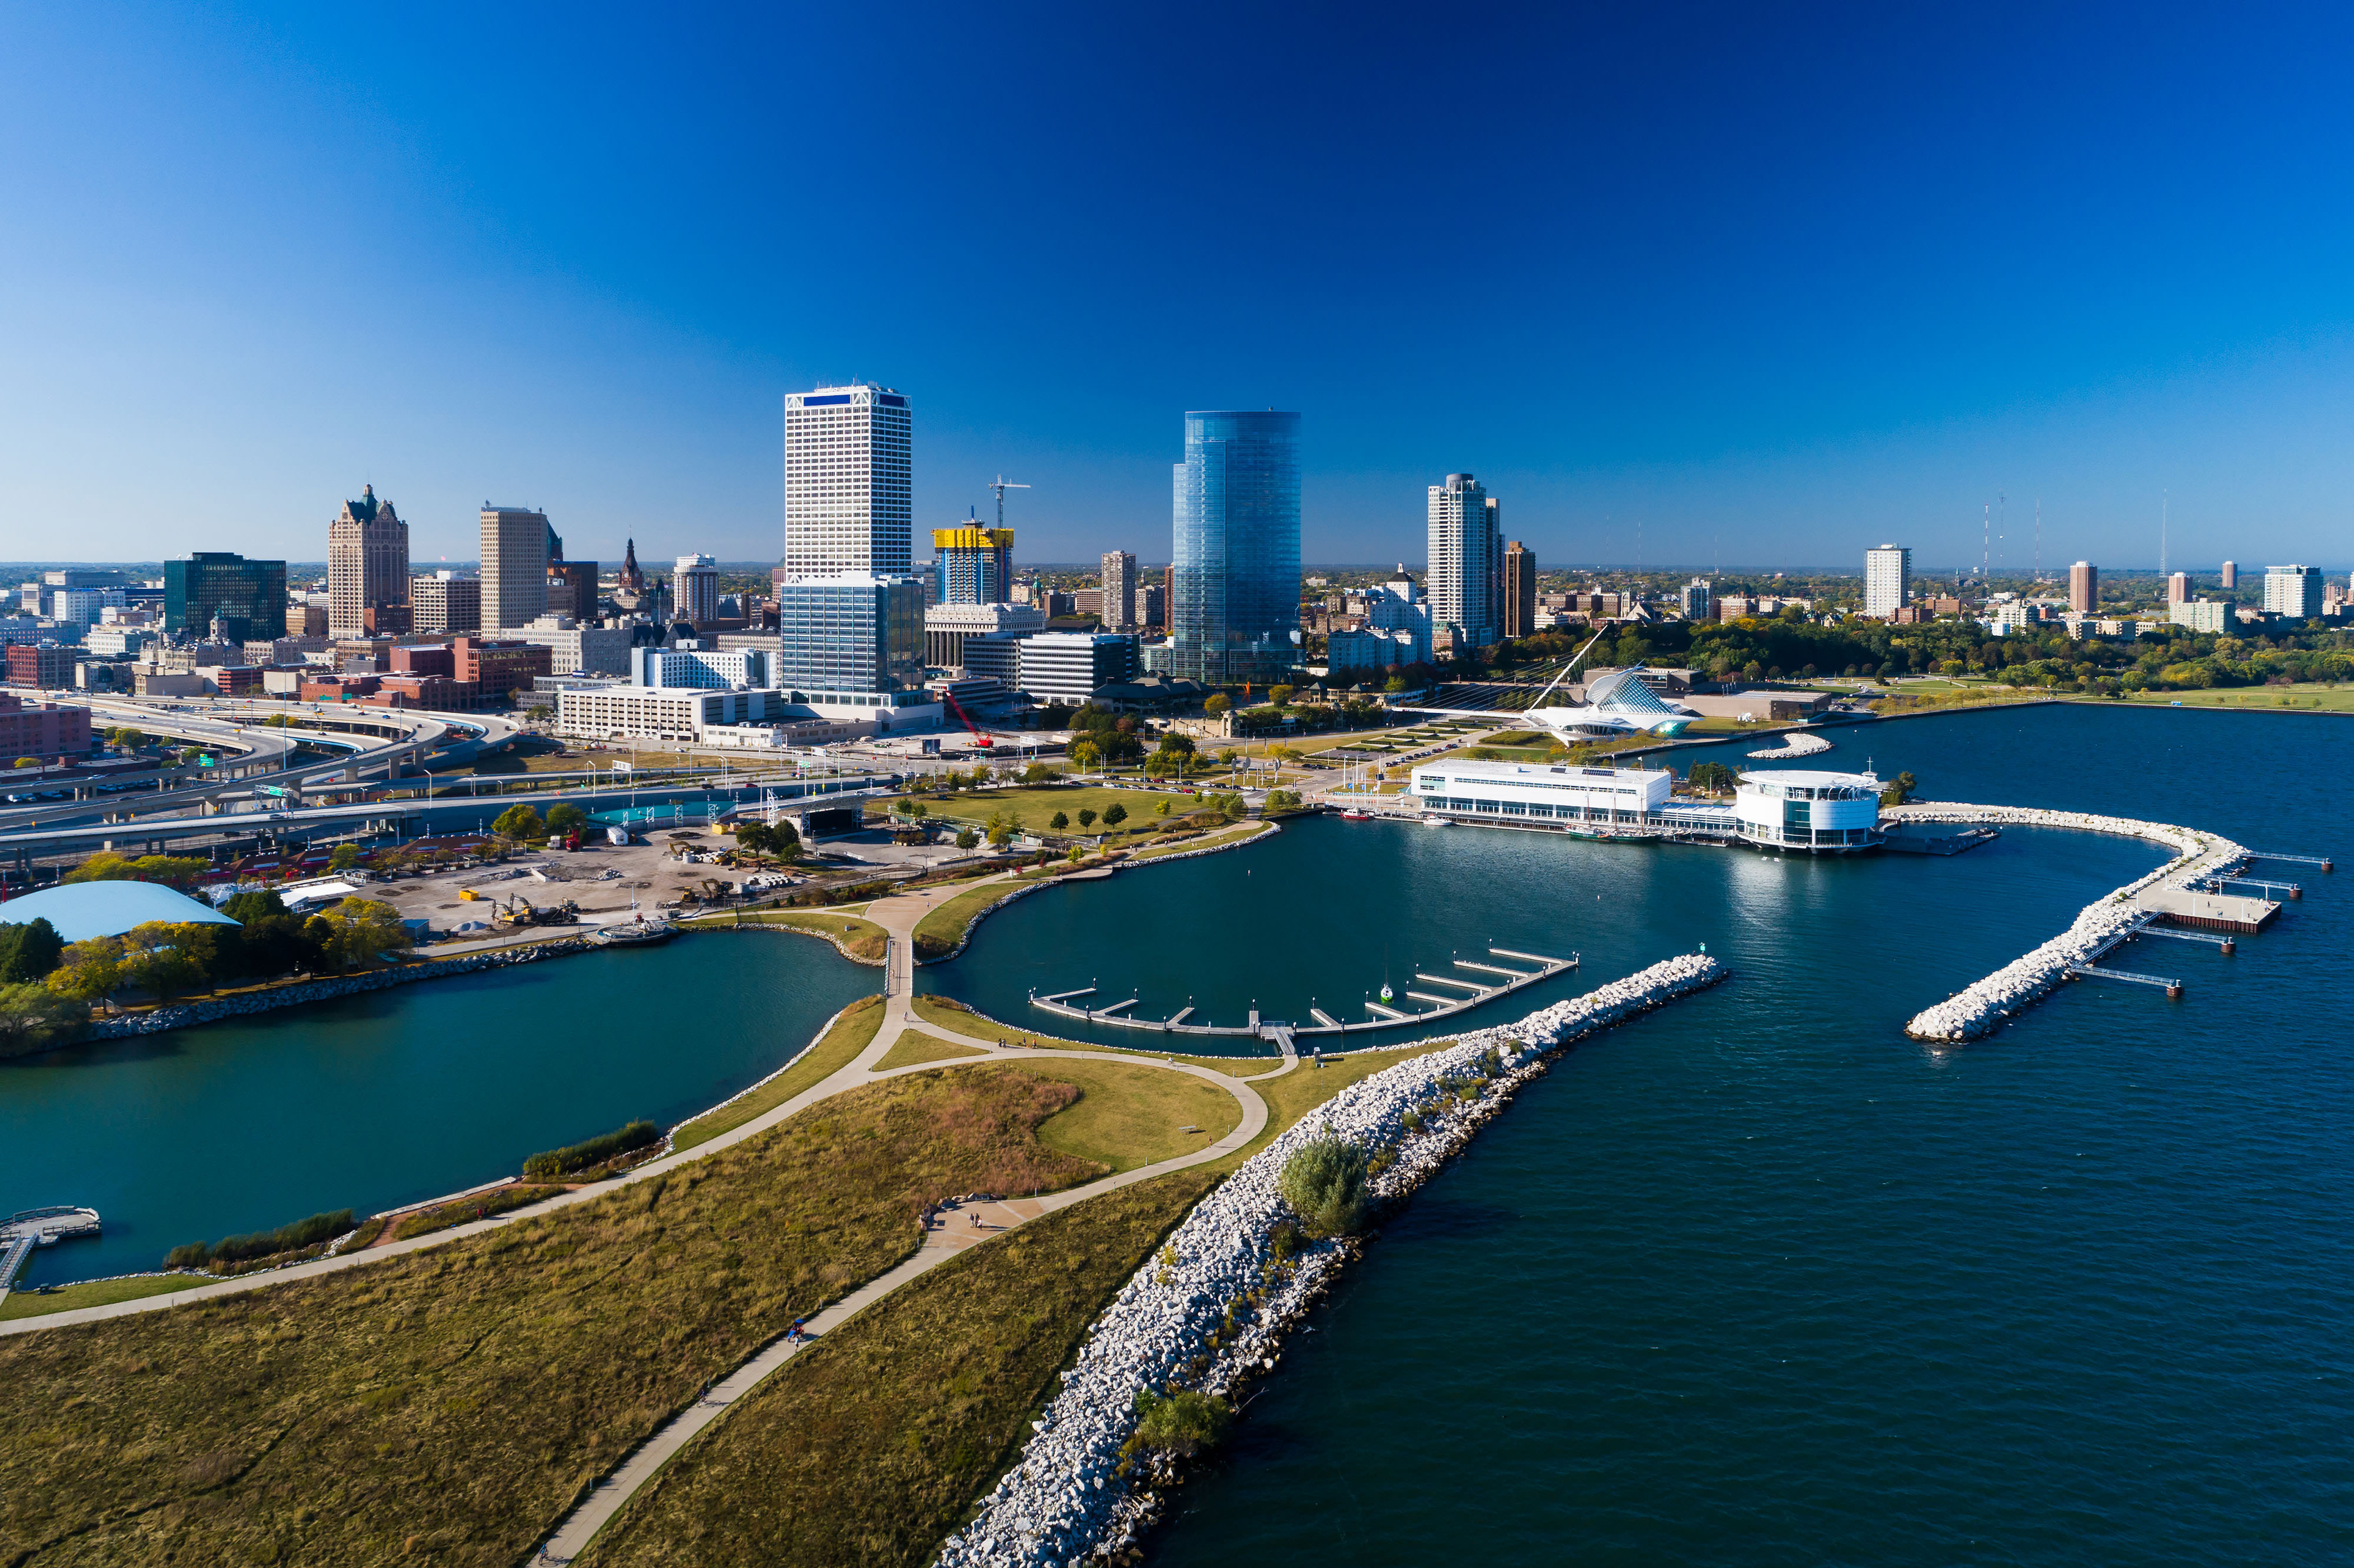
1002, 484
979, 736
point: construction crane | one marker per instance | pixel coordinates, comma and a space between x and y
979, 736
1002, 484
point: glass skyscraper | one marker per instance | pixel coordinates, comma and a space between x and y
849, 636
1234, 605
249, 598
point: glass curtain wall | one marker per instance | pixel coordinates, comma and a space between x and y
1236, 600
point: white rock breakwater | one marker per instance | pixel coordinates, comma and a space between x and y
1981, 1010
1209, 1312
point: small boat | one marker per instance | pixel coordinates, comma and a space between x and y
1355, 814
1436, 823
640, 933
1387, 994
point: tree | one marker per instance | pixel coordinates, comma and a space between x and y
1184, 1424
90, 970
1160, 807
1324, 1182
359, 929
564, 817
344, 857
1061, 821
1115, 814
1217, 703
268, 939
519, 823
1394, 684
1899, 790
1175, 744
106, 865
1001, 828
1037, 773
1075, 855
27, 762
33, 1016
1280, 695
166, 957
29, 951
1086, 817
1085, 755
967, 839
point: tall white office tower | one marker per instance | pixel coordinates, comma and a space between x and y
848, 460
1887, 579
1119, 590
514, 566
367, 563
696, 589
1462, 586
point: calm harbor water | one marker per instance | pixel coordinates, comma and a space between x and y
1756, 1280
396, 1096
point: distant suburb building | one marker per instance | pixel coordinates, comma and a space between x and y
2293, 591
2084, 588
1887, 580
2210, 615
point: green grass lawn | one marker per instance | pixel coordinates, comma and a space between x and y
1130, 1115
1034, 809
852, 1032
96, 1293
914, 1050
864, 938
2306, 697
1212, 841
939, 931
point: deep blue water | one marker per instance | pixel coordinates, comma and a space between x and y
395, 1095
1755, 1279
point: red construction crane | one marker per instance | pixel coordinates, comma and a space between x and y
979, 736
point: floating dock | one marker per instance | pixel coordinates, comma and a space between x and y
20, 1234
1384, 1017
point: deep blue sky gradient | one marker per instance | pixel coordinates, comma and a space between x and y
1762, 285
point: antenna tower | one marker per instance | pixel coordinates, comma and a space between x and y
1986, 543
2163, 500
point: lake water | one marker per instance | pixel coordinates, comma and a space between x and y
395, 1095
1754, 1280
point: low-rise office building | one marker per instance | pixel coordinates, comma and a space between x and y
661, 713
1071, 666
42, 729
703, 668
1536, 794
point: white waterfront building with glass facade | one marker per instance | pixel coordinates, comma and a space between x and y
1538, 795
1789, 807
1780, 808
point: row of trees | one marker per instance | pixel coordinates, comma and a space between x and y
519, 823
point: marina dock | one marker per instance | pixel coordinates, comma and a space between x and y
20, 1234
1384, 1017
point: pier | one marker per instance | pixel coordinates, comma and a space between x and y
20, 1234
1384, 1017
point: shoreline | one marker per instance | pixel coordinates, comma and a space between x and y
1211, 1312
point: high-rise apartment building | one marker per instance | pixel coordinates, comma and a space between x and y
695, 589
2230, 574
2293, 591
1887, 579
972, 565
514, 566
1698, 597
2084, 587
1119, 590
367, 563
1234, 563
1463, 565
848, 477
2177, 589
1152, 607
1520, 589
247, 599
445, 602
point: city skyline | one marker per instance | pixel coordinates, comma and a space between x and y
1890, 355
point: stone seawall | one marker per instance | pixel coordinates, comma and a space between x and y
1981, 1009
189, 1015
1214, 1317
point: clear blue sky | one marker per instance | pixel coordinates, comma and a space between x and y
1761, 284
